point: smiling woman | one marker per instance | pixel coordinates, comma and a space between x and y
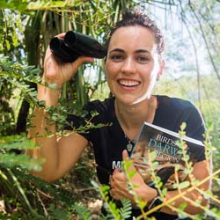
134, 61
132, 64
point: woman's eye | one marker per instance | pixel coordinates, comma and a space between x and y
116, 57
143, 59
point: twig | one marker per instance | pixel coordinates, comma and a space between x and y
166, 203
206, 43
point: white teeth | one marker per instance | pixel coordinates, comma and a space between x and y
128, 83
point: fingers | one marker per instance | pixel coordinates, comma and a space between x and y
120, 194
127, 159
82, 60
61, 35
119, 189
125, 155
60, 73
117, 179
118, 184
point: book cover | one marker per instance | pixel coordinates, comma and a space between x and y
159, 146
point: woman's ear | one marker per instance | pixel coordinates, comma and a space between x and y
162, 67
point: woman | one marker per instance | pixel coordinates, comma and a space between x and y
133, 64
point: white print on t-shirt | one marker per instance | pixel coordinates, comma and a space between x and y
116, 164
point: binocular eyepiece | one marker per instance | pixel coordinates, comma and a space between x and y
74, 45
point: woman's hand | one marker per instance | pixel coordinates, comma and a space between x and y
58, 73
120, 188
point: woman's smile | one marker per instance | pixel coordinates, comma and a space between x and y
129, 83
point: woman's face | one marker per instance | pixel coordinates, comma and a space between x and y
132, 64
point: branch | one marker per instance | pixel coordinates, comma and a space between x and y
196, 55
183, 193
206, 42
169, 2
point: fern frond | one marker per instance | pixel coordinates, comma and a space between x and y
125, 211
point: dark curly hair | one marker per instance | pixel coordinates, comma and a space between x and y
137, 18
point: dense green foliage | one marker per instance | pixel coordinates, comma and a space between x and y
25, 30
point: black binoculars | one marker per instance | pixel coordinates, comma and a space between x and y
73, 45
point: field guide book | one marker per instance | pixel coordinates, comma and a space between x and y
159, 146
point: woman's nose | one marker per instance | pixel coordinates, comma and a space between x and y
128, 66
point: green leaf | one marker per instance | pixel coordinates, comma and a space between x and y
125, 211
183, 185
57, 213
13, 160
16, 142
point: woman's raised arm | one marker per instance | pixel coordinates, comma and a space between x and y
60, 153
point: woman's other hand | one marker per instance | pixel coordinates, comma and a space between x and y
120, 186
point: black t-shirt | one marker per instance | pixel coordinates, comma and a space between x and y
109, 140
